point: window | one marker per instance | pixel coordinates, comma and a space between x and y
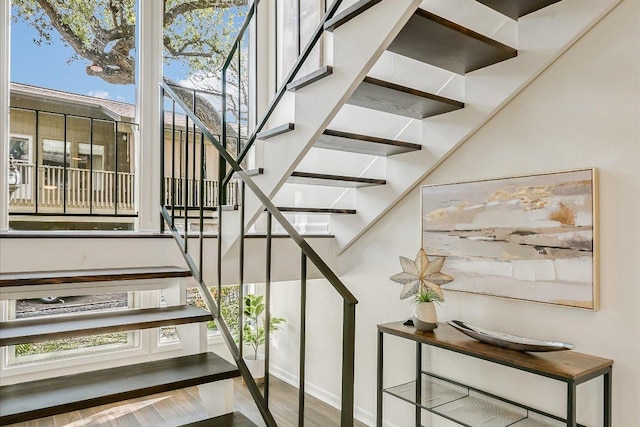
50, 306
230, 299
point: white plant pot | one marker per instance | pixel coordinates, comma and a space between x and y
256, 366
425, 317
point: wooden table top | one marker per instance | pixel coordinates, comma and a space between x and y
567, 365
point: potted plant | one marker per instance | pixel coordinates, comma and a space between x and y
425, 317
253, 333
422, 279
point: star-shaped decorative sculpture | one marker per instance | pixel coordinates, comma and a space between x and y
421, 274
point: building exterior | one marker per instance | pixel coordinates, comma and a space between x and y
91, 177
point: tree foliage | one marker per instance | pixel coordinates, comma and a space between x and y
199, 33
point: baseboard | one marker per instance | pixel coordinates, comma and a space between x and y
320, 393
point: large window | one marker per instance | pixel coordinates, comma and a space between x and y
57, 305
72, 114
230, 298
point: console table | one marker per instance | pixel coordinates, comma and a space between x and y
466, 405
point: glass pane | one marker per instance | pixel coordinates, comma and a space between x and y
63, 83
56, 305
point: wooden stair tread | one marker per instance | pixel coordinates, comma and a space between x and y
349, 13
515, 9
93, 275
363, 144
68, 326
321, 73
235, 419
251, 172
393, 98
311, 178
302, 209
43, 398
278, 130
434, 40
205, 209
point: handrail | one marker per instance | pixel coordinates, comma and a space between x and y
269, 206
283, 88
349, 300
307, 252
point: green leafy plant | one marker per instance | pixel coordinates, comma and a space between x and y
427, 295
253, 332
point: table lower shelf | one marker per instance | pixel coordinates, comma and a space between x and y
470, 407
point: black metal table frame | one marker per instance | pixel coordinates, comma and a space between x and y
571, 386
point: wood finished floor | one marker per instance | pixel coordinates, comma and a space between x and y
185, 406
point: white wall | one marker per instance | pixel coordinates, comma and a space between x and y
583, 111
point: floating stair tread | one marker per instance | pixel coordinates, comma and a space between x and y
349, 13
205, 209
93, 275
304, 81
43, 398
302, 209
311, 178
434, 40
397, 99
250, 172
58, 327
363, 144
278, 130
235, 419
515, 9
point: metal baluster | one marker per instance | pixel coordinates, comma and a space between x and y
194, 186
115, 173
37, 146
185, 189
221, 162
267, 316
241, 273
238, 144
303, 337
91, 167
298, 17
348, 350
219, 210
173, 163
201, 256
275, 44
64, 167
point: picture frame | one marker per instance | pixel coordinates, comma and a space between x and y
529, 237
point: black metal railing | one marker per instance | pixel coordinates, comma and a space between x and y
71, 165
232, 156
197, 268
252, 15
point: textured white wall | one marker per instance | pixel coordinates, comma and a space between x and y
581, 112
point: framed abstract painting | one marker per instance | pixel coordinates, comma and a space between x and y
529, 237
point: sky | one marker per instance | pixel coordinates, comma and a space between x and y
46, 66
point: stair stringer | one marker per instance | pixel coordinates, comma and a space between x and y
356, 47
543, 37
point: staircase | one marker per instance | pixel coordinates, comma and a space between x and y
47, 397
308, 137
305, 154
353, 149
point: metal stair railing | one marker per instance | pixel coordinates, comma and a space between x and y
307, 253
243, 145
303, 54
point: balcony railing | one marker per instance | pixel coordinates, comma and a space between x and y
208, 197
112, 192
72, 190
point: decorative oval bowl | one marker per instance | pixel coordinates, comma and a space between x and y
511, 342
